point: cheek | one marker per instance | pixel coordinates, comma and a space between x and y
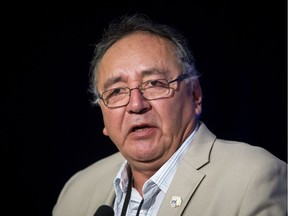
167, 114
106, 124
173, 113
106, 113
112, 122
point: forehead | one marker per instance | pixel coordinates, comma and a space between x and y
136, 55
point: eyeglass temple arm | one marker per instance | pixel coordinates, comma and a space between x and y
181, 77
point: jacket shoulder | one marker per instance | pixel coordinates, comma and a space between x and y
104, 168
88, 188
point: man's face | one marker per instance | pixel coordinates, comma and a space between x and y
147, 132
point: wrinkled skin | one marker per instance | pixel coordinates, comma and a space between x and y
147, 132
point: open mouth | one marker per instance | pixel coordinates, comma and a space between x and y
140, 128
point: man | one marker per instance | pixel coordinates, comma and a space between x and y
169, 163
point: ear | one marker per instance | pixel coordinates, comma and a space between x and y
105, 132
197, 97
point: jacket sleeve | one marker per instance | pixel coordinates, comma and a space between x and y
266, 193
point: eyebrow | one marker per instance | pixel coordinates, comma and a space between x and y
144, 73
112, 81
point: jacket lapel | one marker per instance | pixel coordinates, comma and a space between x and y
188, 177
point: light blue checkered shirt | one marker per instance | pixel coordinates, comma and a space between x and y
154, 188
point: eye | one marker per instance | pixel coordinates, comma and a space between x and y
114, 92
156, 83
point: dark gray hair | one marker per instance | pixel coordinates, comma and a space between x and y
129, 24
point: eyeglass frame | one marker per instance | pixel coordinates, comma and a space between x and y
181, 77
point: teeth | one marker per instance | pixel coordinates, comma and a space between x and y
140, 129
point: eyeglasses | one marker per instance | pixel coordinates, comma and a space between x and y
150, 90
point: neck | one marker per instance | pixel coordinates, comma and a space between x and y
139, 180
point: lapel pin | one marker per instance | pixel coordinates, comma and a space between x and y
176, 201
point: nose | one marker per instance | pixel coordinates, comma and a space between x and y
137, 104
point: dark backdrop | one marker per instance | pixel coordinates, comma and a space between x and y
51, 130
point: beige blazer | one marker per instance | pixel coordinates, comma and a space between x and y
215, 178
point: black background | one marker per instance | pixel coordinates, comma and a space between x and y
50, 128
